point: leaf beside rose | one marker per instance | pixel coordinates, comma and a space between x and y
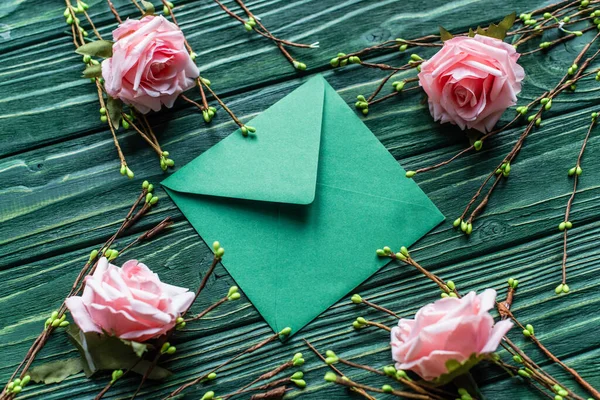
92, 71
456, 368
497, 31
97, 48
114, 108
56, 371
104, 352
444, 34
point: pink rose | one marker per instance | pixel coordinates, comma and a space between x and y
449, 329
150, 65
129, 302
470, 82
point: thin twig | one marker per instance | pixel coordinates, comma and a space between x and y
265, 376
399, 393
215, 261
360, 391
138, 6
380, 308
92, 25
591, 390
207, 310
387, 96
378, 325
114, 11
148, 140
231, 114
571, 198
414, 386
202, 377
150, 130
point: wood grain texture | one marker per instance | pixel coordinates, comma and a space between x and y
61, 194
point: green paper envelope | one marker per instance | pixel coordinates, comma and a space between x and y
302, 206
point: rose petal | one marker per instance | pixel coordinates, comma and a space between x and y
145, 312
115, 322
181, 303
101, 267
81, 315
145, 334
487, 300
500, 329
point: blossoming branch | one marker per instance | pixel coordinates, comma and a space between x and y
252, 23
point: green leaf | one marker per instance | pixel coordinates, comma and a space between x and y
55, 371
497, 31
138, 348
149, 7
494, 32
508, 22
97, 48
114, 108
104, 352
456, 368
471, 32
444, 34
92, 71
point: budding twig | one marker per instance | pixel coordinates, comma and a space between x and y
247, 351
591, 390
207, 310
566, 224
265, 376
114, 11
152, 144
273, 394
399, 393
254, 24
357, 299
358, 390
223, 105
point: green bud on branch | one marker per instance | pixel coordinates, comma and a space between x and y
330, 377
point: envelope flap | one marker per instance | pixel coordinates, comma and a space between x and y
278, 164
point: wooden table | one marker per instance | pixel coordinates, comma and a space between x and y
61, 194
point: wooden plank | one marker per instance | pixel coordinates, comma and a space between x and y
41, 185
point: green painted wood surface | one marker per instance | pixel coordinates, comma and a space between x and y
60, 194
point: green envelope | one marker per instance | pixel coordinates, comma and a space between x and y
302, 206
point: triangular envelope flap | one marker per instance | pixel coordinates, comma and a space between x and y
372, 170
278, 164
